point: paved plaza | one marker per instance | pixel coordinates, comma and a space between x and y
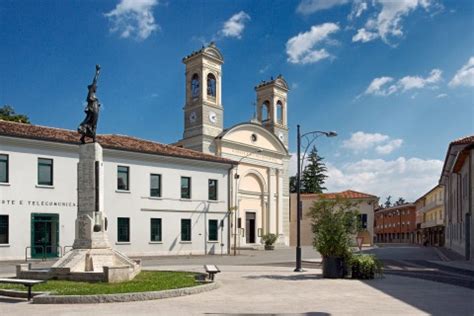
260, 282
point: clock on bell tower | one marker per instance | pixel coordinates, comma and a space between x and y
203, 111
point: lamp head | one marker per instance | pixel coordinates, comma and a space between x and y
331, 134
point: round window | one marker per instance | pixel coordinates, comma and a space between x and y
254, 138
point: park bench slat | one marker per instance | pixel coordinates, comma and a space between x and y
27, 283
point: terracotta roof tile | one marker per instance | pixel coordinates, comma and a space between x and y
118, 142
348, 194
463, 140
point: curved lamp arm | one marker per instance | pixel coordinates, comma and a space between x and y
309, 138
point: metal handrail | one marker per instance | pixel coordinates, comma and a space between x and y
31, 247
64, 249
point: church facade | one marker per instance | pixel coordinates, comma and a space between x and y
259, 192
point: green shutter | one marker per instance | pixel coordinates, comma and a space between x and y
155, 229
213, 230
123, 229
185, 230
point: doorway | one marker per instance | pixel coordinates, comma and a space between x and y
250, 227
44, 235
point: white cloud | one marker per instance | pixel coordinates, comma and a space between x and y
402, 177
441, 95
357, 9
388, 22
133, 18
417, 82
377, 86
465, 75
389, 147
234, 26
311, 6
360, 141
381, 86
364, 36
301, 48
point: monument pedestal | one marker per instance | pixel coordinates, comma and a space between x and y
92, 258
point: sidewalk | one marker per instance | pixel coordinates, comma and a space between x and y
279, 291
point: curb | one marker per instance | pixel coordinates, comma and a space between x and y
122, 297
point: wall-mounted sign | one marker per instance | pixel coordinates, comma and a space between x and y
14, 202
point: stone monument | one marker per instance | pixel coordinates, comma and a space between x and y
91, 257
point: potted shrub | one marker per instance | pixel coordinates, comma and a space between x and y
365, 266
333, 223
269, 240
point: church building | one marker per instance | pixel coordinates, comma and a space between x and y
260, 190
215, 190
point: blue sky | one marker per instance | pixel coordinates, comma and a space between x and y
394, 79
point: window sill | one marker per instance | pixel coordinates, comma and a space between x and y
155, 242
44, 186
123, 243
122, 191
212, 201
185, 242
185, 200
4, 184
213, 241
155, 198
4, 245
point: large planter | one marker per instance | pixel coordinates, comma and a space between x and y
269, 247
333, 267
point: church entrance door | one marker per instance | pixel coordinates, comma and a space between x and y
250, 227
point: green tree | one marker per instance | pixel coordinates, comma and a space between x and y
400, 201
388, 201
334, 223
7, 113
314, 174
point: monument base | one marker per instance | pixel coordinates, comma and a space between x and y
90, 265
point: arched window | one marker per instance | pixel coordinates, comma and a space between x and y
211, 85
195, 86
279, 109
265, 111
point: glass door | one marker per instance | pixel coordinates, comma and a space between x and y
44, 235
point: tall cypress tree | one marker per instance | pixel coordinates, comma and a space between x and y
314, 174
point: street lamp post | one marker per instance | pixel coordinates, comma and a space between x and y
309, 137
236, 203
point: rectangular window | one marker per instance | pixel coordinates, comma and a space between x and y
363, 220
123, 229
185, 187
185, 230
123, 178
212, 190
4, 168
45, 171
213, 230
155, 185
3, 229
155, 229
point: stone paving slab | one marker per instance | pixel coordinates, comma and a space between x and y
278, 291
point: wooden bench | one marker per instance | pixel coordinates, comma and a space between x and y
211, 270
27, 283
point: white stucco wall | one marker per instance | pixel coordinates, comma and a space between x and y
21, 197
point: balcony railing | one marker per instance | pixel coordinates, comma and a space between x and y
431, 205
432, 223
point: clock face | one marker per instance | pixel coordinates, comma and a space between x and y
212, 117
281, 136
192, 117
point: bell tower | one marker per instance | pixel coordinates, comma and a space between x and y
272, 107
203, 111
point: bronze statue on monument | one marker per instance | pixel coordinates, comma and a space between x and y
89, 125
